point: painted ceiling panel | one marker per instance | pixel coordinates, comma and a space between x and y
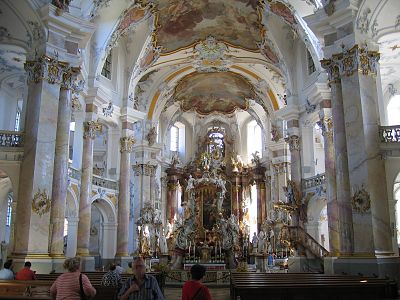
206, 93
183, 22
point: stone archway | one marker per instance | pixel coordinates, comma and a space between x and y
317, 220
103, 232
6, 199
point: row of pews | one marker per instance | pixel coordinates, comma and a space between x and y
299, 286
40, 289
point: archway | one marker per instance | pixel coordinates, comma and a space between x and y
317, 220
6, 200
103, 232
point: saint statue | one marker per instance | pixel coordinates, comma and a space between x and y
163, 243
254, 242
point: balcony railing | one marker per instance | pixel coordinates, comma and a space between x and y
314, 181
104, 182
74, 173
389, 134
11, 138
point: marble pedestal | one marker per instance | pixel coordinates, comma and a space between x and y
261, 262
303, 264
87, 264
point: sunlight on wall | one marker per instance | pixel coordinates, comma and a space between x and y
253, 210
254, 139
393, 111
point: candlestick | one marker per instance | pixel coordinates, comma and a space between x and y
194, 250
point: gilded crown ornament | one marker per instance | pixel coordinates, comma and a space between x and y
41, 203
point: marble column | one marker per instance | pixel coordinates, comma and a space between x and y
235, 196
72, 236
295, 164
172, 196
36, 174
60, 175
124, 196
89, 134
341, 164
261, 204
330, 174
366, 168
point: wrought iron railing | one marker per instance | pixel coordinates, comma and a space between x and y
389, 134
11, 138
104, 182
313, 181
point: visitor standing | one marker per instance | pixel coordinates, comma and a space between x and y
194, 289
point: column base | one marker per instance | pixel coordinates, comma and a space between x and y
124, 260
87, 264
375, 266
302, 264
260, 262
42, 265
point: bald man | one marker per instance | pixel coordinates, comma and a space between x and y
140, 286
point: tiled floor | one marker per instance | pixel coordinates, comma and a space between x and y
216, 293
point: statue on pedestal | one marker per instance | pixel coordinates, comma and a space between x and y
254, 243
163, 243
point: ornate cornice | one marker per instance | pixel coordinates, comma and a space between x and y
127, 143
294, 142
90, 129
357, 59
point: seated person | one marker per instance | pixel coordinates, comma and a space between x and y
129, 269
140, 285
26, 273
112, 278
194, 289
7, 273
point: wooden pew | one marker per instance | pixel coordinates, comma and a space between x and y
25, 289
298, 286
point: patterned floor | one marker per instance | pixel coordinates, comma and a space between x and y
216, 293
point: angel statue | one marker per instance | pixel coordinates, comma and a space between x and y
256, 158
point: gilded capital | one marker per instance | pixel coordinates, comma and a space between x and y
69, 76
294, 142
90, 129
127, 143
327, 127
45, 68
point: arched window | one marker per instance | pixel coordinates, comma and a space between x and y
254, 139
174, 146
106, 71
177, 138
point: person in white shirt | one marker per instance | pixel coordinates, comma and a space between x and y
119, 269
7, 273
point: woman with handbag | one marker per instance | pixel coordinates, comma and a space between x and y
194, 289
72, 285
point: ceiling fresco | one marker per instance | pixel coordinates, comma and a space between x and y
181, 23
206, 93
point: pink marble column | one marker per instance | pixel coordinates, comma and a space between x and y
295, 163
172, 195
343, 196
124, 197
366, 168
89, 134
36, 172
60, 175
235, 196
330, 175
